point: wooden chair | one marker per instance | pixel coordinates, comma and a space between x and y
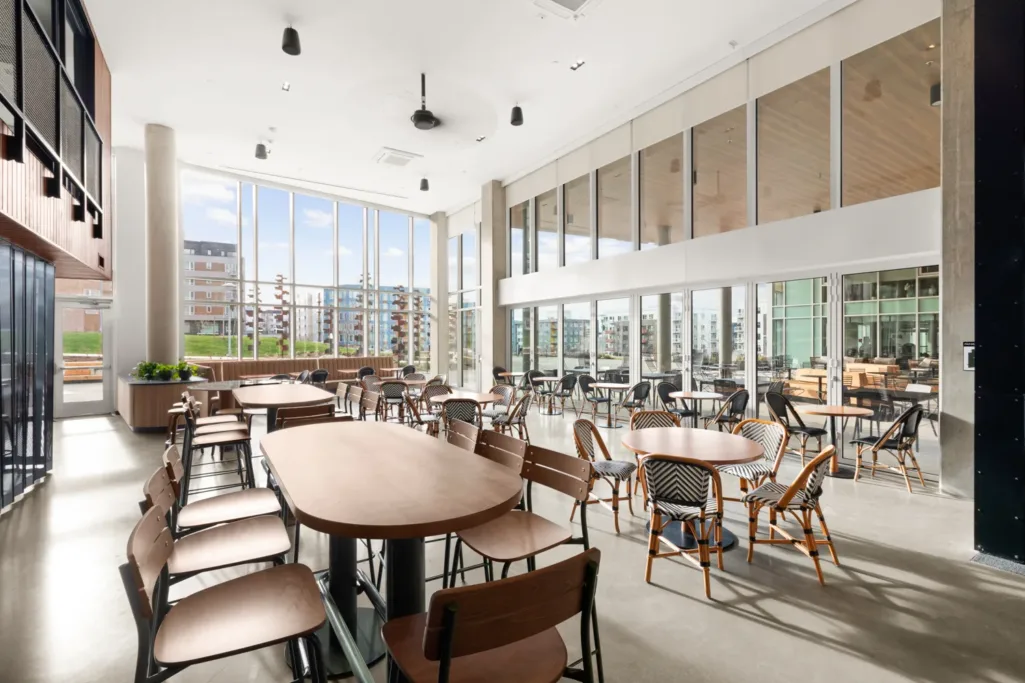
430, 422
688, 491
612, 472
732, 411
354, 398
457, 639
393, 395
899, 440
368, 405
772, 437
250, 540
782, 410
302, 412
502, 449
463, 434
216, 437
281, 605
315, 420
649, 419
801, 499
226, 507
515, 418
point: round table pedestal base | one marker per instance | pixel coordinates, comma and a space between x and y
675, 534
844, 471
368, 637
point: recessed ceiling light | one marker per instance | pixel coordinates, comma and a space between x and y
481, 138
576, 65
286, 86
932, 46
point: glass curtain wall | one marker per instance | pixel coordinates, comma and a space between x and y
614, 206
661, 195
521, 339
463, 311
718, 338
578, 220
546, 208
577, 342
547, 356
662, 337
795, 349
269, 273
613, 316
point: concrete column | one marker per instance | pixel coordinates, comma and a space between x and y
439, 293
163, 245
493, 260
726, 326
957, 270
129, 230
664, 331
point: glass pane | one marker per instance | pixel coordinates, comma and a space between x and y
898, 306
658, 333
421, 329
394, 250
44, 13
793, 149
897, 284
469, 267
720, 168
577, 347
454, 365
314, 240
547, 358
248, 254
213, 334
547, 210
614, 202
350, 330
794, 349
314, 332
18, 375
209, 220
469, 354
929, 286
91, 288
865, 308
860, 335
6, 379
929, 305
519, 334
395, 335
274, 332
717, 336
372, 255
578, 220
273, 251
661, 171
519, 238
891, 130
614, 340
350, 245
453, 264
82, 337
860, 287
897, 337
422, 255
798, 292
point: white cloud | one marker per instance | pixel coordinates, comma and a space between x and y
344, 251
316, 218
274, 245
199, 189
394, 252
221, 216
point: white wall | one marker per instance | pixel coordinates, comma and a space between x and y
129, 267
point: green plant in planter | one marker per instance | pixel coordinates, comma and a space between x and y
185, 371
165, 373
145, 370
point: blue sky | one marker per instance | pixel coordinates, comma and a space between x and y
208, 212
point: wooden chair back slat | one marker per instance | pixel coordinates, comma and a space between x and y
174, 466
315, 420
149, 546
159, 492
494, 614
369, 402
564, 473
322, 410
463, 434
505, 450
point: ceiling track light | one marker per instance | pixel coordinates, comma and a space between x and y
286, 86
576, 65
290, 42
936, 94
261, 150
517, 116
481, 138
424, 185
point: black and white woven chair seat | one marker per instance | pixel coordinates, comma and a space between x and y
890, 445
614, 469
465, 412
507, 419
682, 412
496, 411
685, 513
430, 418
750, 471
770, 493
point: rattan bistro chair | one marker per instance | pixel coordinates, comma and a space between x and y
592, 396
782, 410
393, 395
506, 395
677, 407
898, 440
564, 391
732, 411
429, 421
772, 437
690, 492
636, 398
515, 418
800, 499
462, 410
280, 605
612, 472
649, 419
501, 632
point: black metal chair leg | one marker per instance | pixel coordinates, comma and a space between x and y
444, 571
295, 542
597, 644
505, 570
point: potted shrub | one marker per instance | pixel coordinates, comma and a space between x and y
165, 373
145, 370
185, 371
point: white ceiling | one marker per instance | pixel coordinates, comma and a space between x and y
213, 69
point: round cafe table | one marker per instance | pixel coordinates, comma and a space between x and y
612, 388
274, 396
697, 397
482, 399
713, 447
376, 480
833, 412
550, 408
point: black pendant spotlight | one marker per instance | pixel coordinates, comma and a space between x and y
517, 116
936, 94
290, 42
424, 185
261, 150
423, 118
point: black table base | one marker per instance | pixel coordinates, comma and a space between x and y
676, 534
405, 586
368, 638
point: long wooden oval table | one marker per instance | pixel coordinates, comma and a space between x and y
715, 448
373, 480
274, 396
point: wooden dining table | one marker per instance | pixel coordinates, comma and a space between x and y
611, 387
373, 480
697, 397
274, 396
715, 448
833, 412
550, 403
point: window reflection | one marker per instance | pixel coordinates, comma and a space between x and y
519, 239
614, 340
520, 339
661, 196
614, 202
547, 210
891, 130
577, 347
793, 149
578, 220
547, 357
720, 170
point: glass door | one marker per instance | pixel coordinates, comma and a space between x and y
83, 377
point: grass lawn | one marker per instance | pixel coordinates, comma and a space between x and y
209, 346
83, 342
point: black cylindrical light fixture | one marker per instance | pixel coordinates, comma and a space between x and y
936, 95
261, 150
424, 185
290, 42
517, 116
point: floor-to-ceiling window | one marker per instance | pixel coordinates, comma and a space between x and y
661, 344
661, 194
521, 339
613, 316
547, 355
795, 348
577, 342
718, 337
614, 202
463, 310
720, 173
520, 239
546, 210
578, 220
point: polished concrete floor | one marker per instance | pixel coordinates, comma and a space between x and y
905, 605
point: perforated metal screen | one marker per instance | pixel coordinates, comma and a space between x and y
8, 52
71, 130
40, 84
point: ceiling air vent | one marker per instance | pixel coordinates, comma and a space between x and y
395, 157
567, 9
